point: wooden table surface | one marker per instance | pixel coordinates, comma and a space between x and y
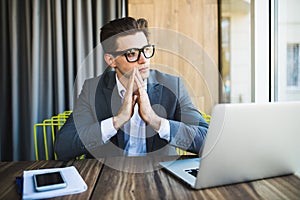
142, 178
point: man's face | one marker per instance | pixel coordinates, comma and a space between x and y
122, 66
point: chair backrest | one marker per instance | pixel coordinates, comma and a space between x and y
46, 131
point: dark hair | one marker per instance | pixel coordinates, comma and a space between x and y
111, 31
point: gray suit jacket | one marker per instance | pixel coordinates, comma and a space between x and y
99, 100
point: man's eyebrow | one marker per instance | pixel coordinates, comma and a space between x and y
120, 51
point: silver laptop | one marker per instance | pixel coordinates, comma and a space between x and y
245, 142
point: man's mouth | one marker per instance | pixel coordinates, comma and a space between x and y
143, 69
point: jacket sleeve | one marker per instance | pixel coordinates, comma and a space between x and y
82, 131
188, 128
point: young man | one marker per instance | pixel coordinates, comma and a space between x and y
130, 110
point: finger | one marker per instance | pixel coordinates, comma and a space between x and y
139, 81
139, 76
130, 83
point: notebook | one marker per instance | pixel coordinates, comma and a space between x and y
75, 183
244, 142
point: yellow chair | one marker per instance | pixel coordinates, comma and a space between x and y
48, 128
51, 126
206, 117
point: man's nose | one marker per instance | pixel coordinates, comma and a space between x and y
142, 59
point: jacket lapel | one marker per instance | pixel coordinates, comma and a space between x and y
113, 104
116, 102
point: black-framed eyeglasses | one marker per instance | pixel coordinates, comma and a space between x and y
133, 54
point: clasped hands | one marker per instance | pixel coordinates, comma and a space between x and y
136, 94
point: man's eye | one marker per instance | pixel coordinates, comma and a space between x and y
131, 53
147, 49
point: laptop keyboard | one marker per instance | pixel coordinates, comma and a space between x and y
192, 171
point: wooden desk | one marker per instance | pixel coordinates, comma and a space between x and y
105, 182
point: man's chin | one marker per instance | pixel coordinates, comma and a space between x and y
145, 75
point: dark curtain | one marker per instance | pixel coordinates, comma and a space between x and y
43, 44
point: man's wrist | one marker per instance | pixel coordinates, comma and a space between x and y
155, 122
116, 123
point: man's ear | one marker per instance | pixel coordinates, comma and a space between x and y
110, 60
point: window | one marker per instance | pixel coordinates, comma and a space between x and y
235, 50
287, 53
293, 65
260, 50
225, 56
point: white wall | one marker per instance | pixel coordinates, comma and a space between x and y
240, 58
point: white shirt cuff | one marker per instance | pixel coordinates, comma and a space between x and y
107, 129
164, 130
